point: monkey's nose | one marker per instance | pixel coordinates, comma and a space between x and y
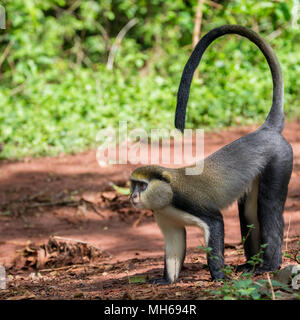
135, 198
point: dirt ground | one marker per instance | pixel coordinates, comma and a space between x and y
65, 233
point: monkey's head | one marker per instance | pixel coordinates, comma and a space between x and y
150, 188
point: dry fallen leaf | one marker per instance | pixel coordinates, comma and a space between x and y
109, 195
92, 197
58, 252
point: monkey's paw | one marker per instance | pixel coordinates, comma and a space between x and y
245, 268
219, 276
263, 269
161, 281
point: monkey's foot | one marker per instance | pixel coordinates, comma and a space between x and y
246, 267
159, 281
263, 269
219, 276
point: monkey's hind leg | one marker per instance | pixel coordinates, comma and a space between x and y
273, 188
250, 229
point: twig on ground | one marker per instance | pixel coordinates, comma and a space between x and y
139, 219
287, 234
271, 287
96, 209
60, 268
54, 203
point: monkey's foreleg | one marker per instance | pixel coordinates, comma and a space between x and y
175, 249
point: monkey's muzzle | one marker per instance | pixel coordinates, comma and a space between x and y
135, 199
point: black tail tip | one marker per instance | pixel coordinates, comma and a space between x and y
179, 125
179, 121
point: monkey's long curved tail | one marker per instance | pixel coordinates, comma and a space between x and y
275, 119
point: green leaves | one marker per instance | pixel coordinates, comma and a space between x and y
55, 91
121, 190
5, 213
242, 289
137, 279
245, 288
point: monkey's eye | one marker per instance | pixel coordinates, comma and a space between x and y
143, 186
132, 185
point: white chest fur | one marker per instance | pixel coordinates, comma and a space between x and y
179, 218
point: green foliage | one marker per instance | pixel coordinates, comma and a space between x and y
137, 279
121, 190
256, 259
56, 93
5, 213
245, 288
296, 256
250, 228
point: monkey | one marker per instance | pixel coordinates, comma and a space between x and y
253, 170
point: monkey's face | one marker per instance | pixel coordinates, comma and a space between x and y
136, 189
153, 194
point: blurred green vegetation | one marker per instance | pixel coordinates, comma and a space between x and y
56, 92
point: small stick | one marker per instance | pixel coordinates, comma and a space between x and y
118, 41
197, 28
46, 204
214, 4
287, 234
5, 53
74, 6
74, 266
96, 210
57, 269
138, 220
272, 289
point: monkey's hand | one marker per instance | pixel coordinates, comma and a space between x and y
161, 281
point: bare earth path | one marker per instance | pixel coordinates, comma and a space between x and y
71, 197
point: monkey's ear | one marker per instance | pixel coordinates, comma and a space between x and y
167, 176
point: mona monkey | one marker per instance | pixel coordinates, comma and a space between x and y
255, 170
